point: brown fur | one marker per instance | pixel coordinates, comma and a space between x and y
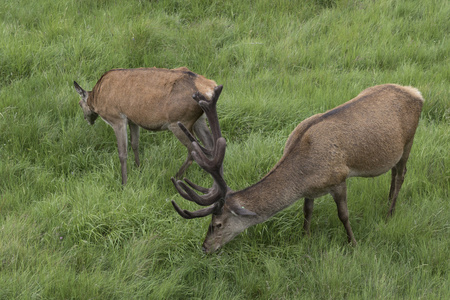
365, 137
151, 98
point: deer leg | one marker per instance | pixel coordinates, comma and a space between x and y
176, 130
202, 131
393, 176
134, 136
184, 166
120, 130
339, 194
307, 212
398, 176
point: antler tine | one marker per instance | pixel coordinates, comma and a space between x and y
214, 164
214, 194
194, 214
195, 186
192, 138
187, 132
179, 189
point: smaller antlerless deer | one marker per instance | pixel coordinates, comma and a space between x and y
151, 98
366, 137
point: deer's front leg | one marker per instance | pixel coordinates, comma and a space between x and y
339, 194
120, 129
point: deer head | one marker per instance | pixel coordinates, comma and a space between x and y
227, 221
89, 115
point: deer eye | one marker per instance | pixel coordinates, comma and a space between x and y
218, 225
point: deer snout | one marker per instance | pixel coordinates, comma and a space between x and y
207, 249
211, 248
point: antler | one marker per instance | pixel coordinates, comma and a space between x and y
209, 160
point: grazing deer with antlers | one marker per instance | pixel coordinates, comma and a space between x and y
151, 98
366, 137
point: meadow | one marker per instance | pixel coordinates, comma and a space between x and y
69, 230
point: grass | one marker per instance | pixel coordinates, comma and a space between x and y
69, 230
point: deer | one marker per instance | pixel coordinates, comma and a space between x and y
364, 137
152, 98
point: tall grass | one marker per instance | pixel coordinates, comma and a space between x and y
69, 230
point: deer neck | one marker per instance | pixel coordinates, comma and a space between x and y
280, 188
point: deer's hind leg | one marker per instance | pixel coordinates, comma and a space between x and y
398, 173
202, 131
134, 136
176, 130
307, 212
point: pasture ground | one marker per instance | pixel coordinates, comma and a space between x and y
69, 230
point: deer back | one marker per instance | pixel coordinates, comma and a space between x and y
150, 97
366, 134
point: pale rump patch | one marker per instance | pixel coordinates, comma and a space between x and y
209, 94
414, 91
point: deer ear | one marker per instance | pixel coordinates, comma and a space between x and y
80, 91
239, 210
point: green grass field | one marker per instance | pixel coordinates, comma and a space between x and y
68, 230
